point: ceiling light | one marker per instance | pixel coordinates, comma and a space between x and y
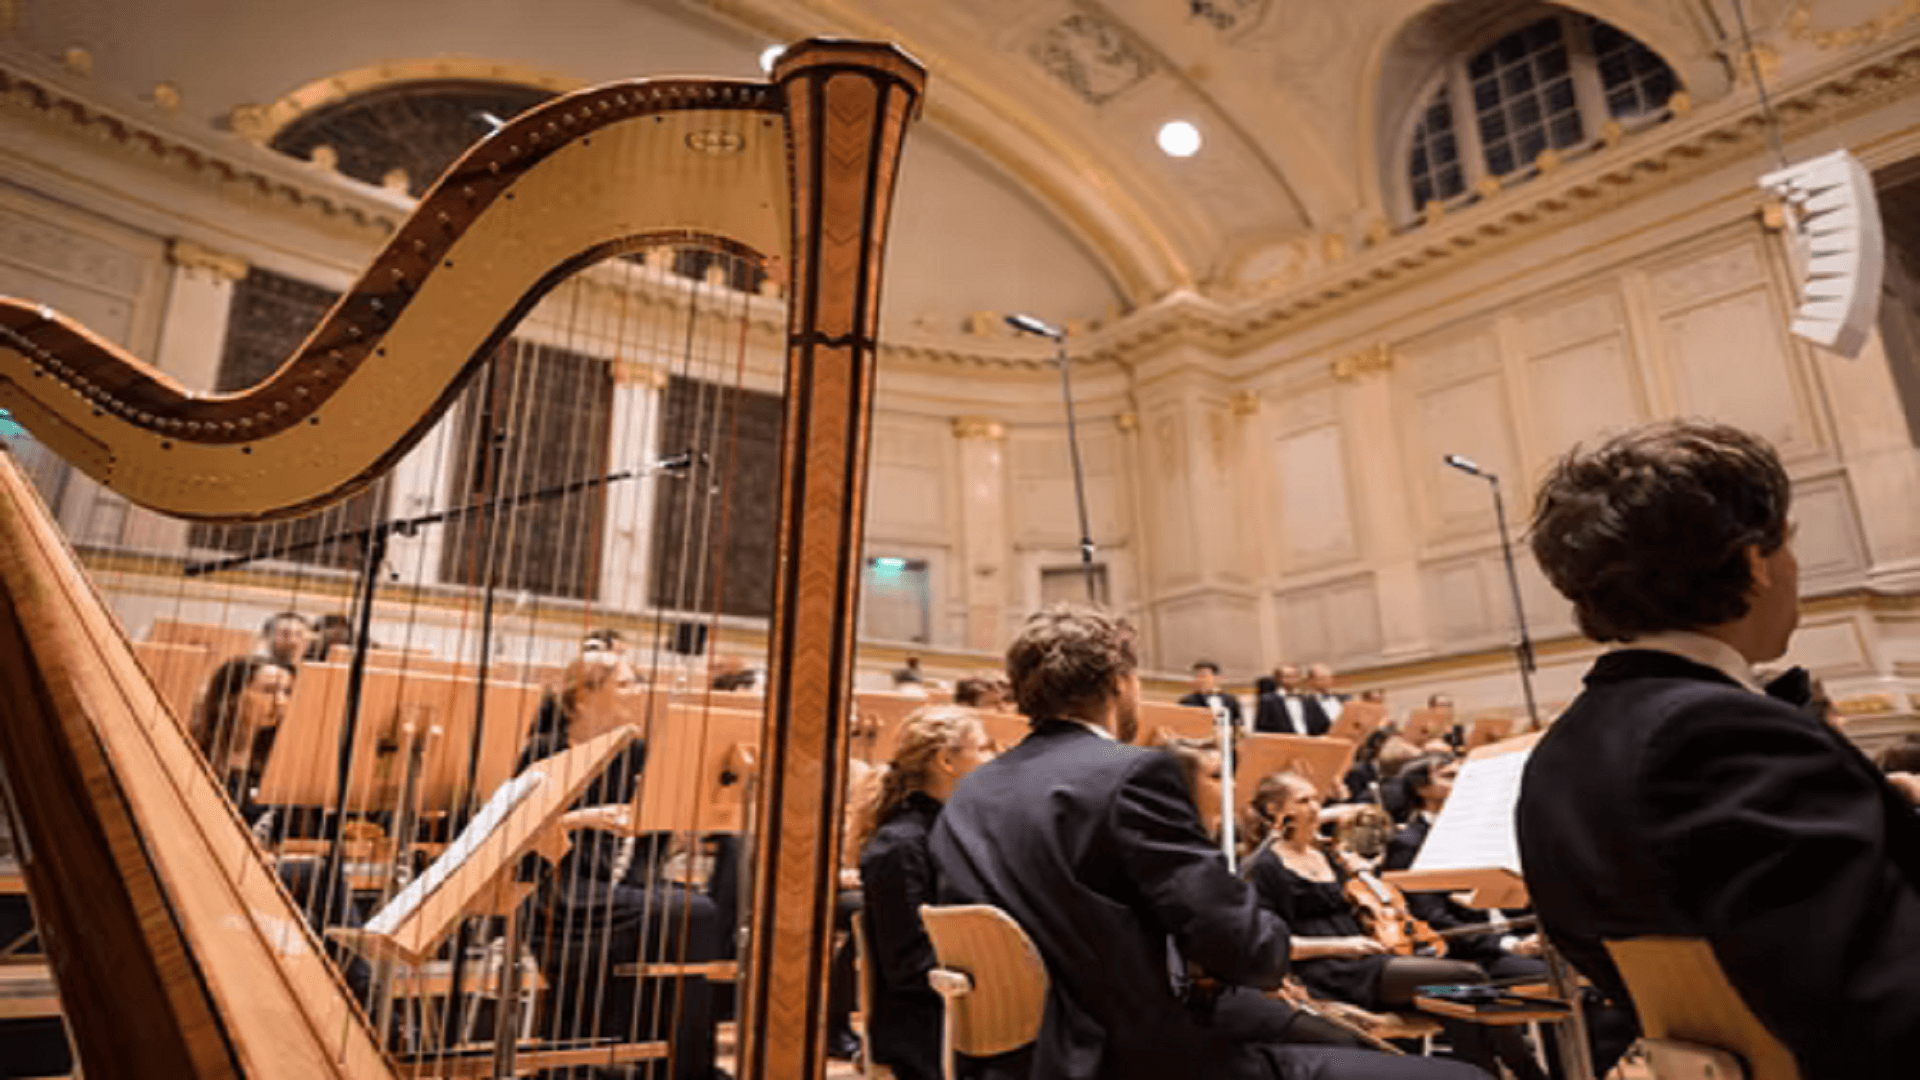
1179, 138
770, 56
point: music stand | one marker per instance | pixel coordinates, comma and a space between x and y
1159, 719
401, 712
700, 765
1322, 759
1425, 725
1487, 728
1358, 719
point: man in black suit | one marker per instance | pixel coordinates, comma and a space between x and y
1095, 848
1208, 695
1675, 797
1286, 711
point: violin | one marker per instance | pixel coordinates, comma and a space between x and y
1383, 910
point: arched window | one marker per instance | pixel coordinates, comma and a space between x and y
1551, 82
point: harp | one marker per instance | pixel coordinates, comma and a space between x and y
178, 950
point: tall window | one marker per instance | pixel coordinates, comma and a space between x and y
1552, 83
532, 434
270, 317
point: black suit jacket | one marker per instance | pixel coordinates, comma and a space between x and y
1270, 716
896, 874
1095, 849
1230, 701
1670, 801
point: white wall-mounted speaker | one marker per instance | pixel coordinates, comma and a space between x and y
1834, 220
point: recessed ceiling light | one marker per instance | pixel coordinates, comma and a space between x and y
1179, 138
769, 56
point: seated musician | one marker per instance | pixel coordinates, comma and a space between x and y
604, 904
986, 693
1675, 797
238, 716
938, 747
1296, 878
284, 639
1094, 847
329, 630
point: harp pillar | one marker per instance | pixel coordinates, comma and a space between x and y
848, 106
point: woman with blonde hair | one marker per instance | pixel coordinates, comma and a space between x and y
939, 745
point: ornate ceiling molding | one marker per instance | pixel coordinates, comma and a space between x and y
267, 180
260, 123
1635, 166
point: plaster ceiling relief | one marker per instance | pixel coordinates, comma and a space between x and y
1091, 55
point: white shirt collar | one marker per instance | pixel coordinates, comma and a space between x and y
1089, 725
1701, 649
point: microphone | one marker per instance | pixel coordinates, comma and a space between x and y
1465, 465
1027, 324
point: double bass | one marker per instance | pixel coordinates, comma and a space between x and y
177, 951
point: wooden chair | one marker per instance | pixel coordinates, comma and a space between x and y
863, 971
1694, 1023
991, 978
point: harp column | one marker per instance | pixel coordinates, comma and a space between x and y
848, 106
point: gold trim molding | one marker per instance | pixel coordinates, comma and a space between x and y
1351, 366
260, 123
978, 427
193, 257
1866, 32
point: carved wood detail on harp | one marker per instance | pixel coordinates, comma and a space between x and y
177, 950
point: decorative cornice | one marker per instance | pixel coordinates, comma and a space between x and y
260, 123
1866, 32
1245, 403
271, 181
193, 258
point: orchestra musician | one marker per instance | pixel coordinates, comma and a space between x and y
1316, 891
1675, 797
1094, 847
938, 746
604, 904
237, 719
1206, 693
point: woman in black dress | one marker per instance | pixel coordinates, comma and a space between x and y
604, 903
238, 716
938, 746
1332, 953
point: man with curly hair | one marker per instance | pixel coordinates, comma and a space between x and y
1677, 797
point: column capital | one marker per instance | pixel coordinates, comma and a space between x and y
978, 427
1375, 357
635, 373
193, 257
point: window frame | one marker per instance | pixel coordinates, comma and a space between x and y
1590, 100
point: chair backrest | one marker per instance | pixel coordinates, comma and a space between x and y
1684, 1000
1009, 997
864, 998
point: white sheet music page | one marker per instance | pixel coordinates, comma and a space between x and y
1475, 830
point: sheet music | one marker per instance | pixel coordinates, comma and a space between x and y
476, 833
1475, 829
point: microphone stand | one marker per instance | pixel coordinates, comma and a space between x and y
1523, 648
1027, 324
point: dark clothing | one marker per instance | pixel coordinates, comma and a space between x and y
1318, 909
592, 914
1271, 717
1670, 801
896, 875
1227, 701
1096, 850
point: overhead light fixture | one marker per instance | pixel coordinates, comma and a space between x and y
1179, 138
770, 56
